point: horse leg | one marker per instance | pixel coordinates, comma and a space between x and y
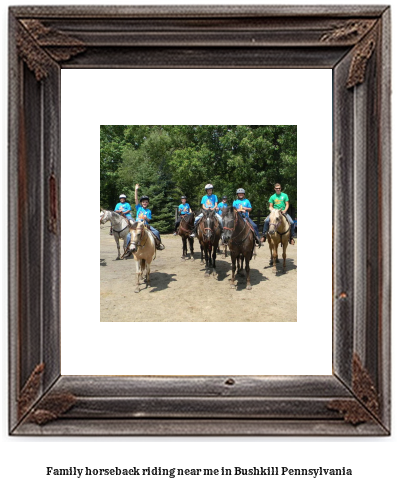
143, 269
191, 241
249, 286
117, 245
240, 263
271, 251
206, 262
184, 243
138, 273
284, 254
233, 271
214, 261
274, 270
147, 267
202, 255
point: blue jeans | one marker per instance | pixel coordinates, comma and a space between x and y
255, 227
196, 220
267, 221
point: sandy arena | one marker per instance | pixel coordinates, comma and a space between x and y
180, 292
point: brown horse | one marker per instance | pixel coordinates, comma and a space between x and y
241, 240
209, 232
185, 229
142, 245
279, 233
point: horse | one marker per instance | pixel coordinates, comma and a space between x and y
142, 245
208, 235
279, 233
120, 226
241, 241
185, 229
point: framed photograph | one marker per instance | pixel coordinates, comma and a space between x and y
353, 43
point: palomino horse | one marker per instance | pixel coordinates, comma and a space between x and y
279, 233
241, 238
208, 235
120, 226
142, 245
185, 229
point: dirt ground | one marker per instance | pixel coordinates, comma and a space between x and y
179, 286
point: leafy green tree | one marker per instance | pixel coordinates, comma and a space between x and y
170, 160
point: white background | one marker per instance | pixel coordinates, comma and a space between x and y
373, 460
290, 97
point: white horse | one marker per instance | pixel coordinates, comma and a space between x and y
120, 227
142, 245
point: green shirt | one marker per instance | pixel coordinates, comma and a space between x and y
279, 201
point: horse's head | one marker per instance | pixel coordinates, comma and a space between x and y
188, 218
228, 217
104, 216
136, 233
209, 223
275, 218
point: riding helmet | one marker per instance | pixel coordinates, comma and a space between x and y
181, 198
122, 196
224, 197
208, 187
240, 190
144, 197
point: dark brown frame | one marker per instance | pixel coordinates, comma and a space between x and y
353, 41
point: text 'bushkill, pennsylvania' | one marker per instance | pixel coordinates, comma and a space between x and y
176, 472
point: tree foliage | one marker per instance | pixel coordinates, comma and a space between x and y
168, 161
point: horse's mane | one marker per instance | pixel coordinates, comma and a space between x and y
227, 210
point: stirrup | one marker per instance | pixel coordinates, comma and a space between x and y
292, 241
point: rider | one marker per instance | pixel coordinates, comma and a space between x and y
123, 208
144, 215
222, 205
243, 205
208, 202
184, 209
280, 201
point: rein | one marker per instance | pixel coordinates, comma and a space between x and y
146, 237
185, 222
126, 226
207, 229
280, 233
243, 229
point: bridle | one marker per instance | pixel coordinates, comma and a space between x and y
141, 245
242, 230
276, 224
185, 221
207, 235
126, 226
102, 221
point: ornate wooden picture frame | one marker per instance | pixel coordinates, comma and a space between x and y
352, 41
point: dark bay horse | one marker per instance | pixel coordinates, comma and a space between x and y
240, 239
185, 229
209, 232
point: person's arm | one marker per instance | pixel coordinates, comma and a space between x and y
287, 206
135, 194
249, 208
270, 206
